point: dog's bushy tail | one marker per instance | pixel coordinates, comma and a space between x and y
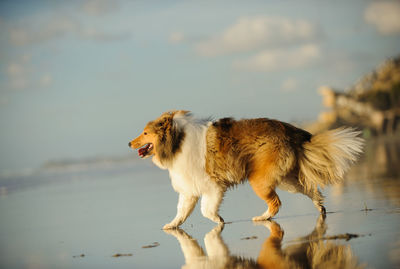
327, 157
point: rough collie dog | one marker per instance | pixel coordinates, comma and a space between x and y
205, 158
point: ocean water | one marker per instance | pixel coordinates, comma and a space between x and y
111, 217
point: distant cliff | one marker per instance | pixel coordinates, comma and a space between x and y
372, 104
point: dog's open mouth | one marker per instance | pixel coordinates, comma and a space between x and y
145, 150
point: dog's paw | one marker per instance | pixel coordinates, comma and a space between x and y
322, 210
262, 218
219, 220
170, 226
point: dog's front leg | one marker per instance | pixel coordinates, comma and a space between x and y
185, 207
210, 203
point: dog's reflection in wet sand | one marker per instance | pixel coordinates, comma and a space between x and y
310, 251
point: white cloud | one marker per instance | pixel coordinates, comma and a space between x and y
27, 34
59, 27
21, 74
289, 85
279, 59
250, 33
176, 37
385, 16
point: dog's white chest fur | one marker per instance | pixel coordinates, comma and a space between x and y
187, 172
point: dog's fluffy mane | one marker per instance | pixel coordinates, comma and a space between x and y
172, 129
170, 135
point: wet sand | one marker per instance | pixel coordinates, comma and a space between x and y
112, 218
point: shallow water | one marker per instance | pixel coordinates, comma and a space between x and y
82, 219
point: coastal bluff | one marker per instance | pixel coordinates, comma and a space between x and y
372, 104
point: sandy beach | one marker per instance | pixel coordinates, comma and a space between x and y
112, 218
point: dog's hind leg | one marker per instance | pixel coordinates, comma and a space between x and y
291, 184
185, 207
263, 180
269, 195
264, 177
317, 199
210, 203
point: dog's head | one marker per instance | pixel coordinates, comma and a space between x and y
160, 138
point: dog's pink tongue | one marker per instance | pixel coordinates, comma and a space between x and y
142, 151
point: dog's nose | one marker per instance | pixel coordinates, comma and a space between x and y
129, 144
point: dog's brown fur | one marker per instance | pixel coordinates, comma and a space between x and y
262, 150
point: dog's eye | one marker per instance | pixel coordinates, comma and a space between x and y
145, 133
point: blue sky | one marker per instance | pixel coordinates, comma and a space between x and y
81, 78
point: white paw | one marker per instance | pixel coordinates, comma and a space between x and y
218, 220
215, 218
262, 218
169, 226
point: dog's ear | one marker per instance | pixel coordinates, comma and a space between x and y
182, 112
170, 137
177, 113
161, 123
167, 117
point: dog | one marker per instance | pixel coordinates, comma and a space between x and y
206, 157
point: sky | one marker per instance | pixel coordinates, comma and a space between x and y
80, 79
